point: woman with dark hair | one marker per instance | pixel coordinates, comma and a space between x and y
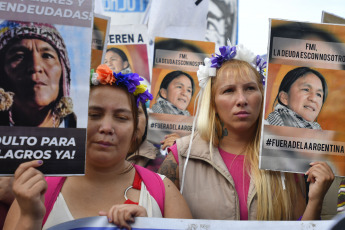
300, 98
112, 186
117, 61
175, 94
35, 76
147, 155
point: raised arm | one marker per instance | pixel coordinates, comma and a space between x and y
27, 210
320, 176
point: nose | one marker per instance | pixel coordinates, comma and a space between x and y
106, 127
241, 99
312, 97
37, 62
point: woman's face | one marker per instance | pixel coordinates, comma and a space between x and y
238, 101
305, 96
110, 125
179, 92
34, 70
115, 62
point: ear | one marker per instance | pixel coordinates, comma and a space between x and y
125, 64
164, 93
283, 97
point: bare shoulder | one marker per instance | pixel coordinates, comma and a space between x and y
175, 205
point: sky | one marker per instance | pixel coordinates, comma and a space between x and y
253, 17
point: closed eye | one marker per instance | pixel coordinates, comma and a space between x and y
230, 90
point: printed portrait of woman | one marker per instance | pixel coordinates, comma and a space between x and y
301, 95
175, 93
117, 60
35, 76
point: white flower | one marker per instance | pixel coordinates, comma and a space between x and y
205, 72
244, 54
94, 79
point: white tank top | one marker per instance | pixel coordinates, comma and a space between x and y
60, 212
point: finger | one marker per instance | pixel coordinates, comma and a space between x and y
122, 219
24, 166
102, 213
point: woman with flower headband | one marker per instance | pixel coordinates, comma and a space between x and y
222, 179
112, 186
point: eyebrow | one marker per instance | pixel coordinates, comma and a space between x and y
180, 83
310, 86
119, 110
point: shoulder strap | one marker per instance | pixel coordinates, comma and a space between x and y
154, 185
54, 187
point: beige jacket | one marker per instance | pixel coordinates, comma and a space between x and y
147, 152
209, 188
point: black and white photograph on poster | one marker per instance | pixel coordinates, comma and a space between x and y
222, 22
45, 51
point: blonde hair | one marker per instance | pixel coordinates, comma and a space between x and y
274, 203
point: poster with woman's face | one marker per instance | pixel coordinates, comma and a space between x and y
175, 85
44, 85
302, 120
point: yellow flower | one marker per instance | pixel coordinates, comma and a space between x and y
140, 89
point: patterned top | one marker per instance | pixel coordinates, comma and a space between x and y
283, 116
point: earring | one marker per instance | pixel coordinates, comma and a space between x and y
224, 130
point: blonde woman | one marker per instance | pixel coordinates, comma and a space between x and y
222, 179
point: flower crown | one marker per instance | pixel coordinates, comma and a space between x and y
229, 52
105, 75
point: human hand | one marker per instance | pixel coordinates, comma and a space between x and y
123, 214
29, 186
6, 193
169, 140
320, 176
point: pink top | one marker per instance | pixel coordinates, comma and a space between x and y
235, 164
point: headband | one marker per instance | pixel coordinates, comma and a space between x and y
227, 53
104, 75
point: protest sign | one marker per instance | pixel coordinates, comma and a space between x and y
310, 102
331, 18
45, 48
127, 50
101, 223
175, 85
100, 33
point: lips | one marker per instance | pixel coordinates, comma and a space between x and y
104, 143
181, 99
309, 107
241, 112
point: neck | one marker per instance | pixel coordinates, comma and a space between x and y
100, 174
236, 141
23, 115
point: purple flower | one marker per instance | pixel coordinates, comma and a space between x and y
143, 97
226, 53
130, 80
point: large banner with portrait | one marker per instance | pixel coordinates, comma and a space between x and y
45, 49
175, 85
303, 117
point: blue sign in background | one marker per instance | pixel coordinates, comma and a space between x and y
128, 6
